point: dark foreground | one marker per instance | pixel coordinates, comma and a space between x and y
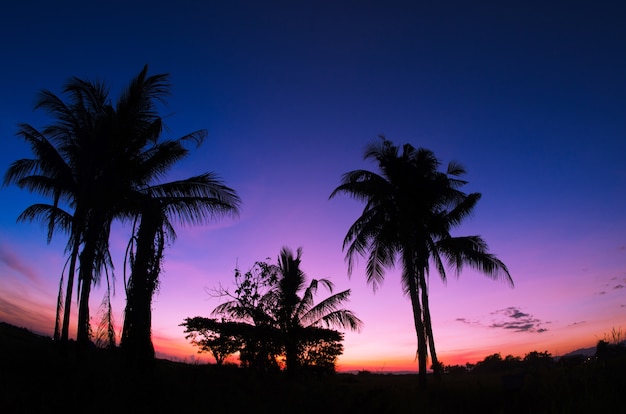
35, 376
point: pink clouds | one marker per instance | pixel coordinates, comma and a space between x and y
10, 259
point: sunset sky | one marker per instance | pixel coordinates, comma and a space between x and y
530, 98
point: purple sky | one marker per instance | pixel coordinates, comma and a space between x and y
530, 98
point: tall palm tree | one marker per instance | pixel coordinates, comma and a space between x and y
191, 201
410, 210
56, 171
125, 138
92, 160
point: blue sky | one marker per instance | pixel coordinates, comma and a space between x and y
529, 96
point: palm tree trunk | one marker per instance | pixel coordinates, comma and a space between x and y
68, 294
57, 320
85, 275
422, 351
136, 334
428, 325
291, 354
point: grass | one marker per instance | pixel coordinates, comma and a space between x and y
36, 376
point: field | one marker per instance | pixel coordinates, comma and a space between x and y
36, 376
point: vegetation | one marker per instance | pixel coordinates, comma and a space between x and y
192, 200
99, 162
272, 316
410, 210
33, 374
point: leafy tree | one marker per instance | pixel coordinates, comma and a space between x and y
293, 313
318, 349
220, 338
410, 210
606, 351
276, 301
538, 360
495, 363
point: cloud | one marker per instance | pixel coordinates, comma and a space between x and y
25, 314
516, 314
13, 261
513, 319
510, 319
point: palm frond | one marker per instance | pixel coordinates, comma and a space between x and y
473, 251
330, 304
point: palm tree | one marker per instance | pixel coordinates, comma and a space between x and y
294, 314
119, 156
411, 207
93, 159
56, 170
191, 201
295, 318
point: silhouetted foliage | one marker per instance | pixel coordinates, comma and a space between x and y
538, 360
410, 210
102, 160
274, 324
495, 363
456, 369
220, 338
605, 351
34, 377
318, 349
569, 361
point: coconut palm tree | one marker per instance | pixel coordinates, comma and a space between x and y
410, 210
92, 160
56, 171
294, 314
119, 157
191, 201
296, 319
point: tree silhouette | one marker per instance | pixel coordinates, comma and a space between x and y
64, 169
278, 303
101, 160
220, 338
293, 313
191, 201
410, 209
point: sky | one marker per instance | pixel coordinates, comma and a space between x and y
530, 96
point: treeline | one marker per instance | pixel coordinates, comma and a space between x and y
495, 363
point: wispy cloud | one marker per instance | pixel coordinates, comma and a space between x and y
13, 261
512, 319
25, 315
614, 283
